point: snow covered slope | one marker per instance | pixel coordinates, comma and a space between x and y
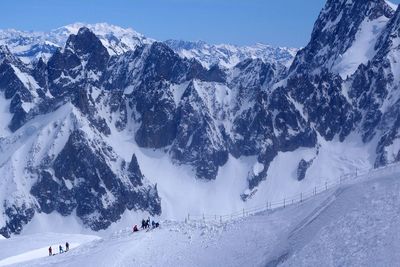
351, 225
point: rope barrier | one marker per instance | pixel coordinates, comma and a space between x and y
285, 202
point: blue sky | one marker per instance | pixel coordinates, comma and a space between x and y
276, 22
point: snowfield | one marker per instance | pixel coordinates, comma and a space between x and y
355, 224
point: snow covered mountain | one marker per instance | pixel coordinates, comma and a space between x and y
229, 55
112, 123
30, 46
34, 45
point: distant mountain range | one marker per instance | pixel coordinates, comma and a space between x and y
33, 45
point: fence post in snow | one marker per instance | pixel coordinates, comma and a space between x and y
284, 203
188, 217
204, 218
301, 197
243, 212
220, 219
215, 217
315, 190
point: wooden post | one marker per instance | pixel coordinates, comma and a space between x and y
301, 197
284, 203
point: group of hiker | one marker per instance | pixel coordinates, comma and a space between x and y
146, 225
60, 249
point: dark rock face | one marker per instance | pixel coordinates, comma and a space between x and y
13, 87
63, 70
84, 181
276, 126
12, 84
80, 65
53, 195
134, 173
89, 49
302, 169
390, 136
199, 141
157, 116
374, 89
17, 218
369, 101
324, 104
293, 130
40, 75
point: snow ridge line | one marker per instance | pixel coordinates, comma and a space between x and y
346, 179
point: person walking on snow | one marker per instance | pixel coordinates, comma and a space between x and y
66, 247
50, 251
135, 228
61, 249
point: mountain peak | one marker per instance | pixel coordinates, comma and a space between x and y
7, 55
84, 30
85, 42
345, 26
4, 50
392, 6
